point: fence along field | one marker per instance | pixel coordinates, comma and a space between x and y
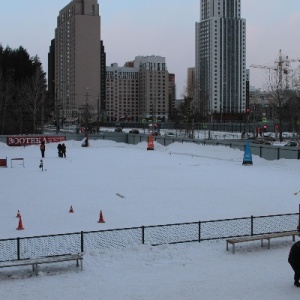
60, 244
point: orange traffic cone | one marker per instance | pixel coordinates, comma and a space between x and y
71, 209
18, 214
150, 142
20, 226
101, 219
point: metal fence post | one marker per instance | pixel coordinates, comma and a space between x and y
260, 151
199, 231
18, 248
143, 235
252, 220
81, 244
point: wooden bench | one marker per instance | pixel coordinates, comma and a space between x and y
43, 260
267, 236
16, 159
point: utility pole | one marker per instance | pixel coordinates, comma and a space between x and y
98, 114
57, 112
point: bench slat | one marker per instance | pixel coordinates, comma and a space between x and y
42, 260
267, 236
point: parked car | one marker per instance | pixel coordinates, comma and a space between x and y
270, 138
171, 134
156, 133
118, 129
291, 144
261, 141
134, 131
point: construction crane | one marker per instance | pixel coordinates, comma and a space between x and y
281, 65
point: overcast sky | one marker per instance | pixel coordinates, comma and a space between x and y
156, 27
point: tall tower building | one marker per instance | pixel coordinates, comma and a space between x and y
77, 67
190, 89
139, 90
220, 79
122, 92
172, 94
154, 87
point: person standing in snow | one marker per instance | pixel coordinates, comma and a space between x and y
294, 261
43, 148
59, 150
63, 150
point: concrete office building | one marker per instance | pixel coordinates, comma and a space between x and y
172, 95
138, 90
122, 92
154, 87
77, 57
220, 79
190, 88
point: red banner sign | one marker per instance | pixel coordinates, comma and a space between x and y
33, 140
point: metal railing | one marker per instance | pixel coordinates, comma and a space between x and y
60, 244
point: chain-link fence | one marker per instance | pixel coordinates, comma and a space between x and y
60, 244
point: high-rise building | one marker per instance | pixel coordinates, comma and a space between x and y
122, 92
103, 78
154, 87
190, 88
139, 90
172, 95
220, 79
77, 57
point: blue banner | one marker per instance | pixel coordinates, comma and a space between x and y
247, 155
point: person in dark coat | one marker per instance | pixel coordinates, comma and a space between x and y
294, 261
63, 150
59, 150
43, 148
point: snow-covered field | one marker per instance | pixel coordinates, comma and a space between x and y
178, 183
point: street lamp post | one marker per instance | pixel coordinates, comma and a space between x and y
209, 124
58, 118
98, 114
57, 112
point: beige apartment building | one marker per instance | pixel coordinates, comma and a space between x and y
77, 60
190, 88
138, 90
122, 92
154, 87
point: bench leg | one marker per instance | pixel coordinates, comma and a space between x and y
293, 238
77, 263
233, 248
269, 243
262, 242
226, 246
35, 268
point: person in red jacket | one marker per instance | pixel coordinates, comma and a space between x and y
294, 261
43, 148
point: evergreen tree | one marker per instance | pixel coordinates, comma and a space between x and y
22, 91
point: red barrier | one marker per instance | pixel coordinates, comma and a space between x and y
3, 162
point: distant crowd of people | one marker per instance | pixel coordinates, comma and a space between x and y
62, 149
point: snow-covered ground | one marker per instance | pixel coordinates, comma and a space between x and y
173, 184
